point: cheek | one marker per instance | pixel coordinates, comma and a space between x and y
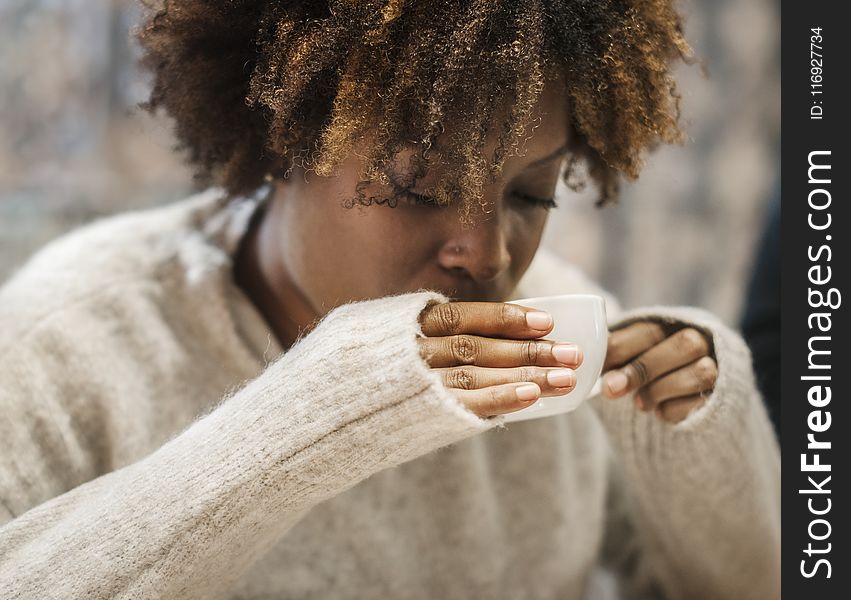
357, 253
525, 237
392, 248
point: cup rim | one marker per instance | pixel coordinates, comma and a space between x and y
554, 296
595, 304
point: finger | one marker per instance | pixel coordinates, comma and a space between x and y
695, 378
627, 343
454, 350
552, 382
682, 348
678, 409
491, 319
499, 399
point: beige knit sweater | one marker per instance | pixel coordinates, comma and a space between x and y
156, 443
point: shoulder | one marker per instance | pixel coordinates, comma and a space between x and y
94, 265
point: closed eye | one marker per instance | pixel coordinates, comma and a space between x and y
546, 203
424, 200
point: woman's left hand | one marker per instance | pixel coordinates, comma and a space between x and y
672, 372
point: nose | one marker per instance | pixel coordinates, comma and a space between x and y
481, 251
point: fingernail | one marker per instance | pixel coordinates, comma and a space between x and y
566, 353
527, 392
539, 320
561, 378
616, 382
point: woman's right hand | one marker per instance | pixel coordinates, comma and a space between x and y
490, 357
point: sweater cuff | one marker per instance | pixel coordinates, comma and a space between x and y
354, 396
712, 442
735, 390
384, 333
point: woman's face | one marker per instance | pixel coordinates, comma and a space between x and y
327, 255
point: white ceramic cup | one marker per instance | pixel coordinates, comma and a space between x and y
579, 319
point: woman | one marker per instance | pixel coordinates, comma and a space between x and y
291, 384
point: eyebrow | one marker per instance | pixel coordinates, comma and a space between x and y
557, 153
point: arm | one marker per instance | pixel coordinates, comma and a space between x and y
702, 518
351, 398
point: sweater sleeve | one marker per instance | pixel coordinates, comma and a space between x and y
346, 401
694, 509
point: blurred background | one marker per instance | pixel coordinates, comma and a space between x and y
74, 147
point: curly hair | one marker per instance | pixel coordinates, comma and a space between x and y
255, 86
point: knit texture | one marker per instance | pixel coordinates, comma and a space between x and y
155, 442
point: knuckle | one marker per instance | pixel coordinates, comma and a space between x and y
692, 341
530, 352
461, 378
464, 348
655, 331
495, 400
706, 371
508, 315
527, 374
448, 317
639, 369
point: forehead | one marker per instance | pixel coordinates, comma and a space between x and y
546, 127
545, 124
